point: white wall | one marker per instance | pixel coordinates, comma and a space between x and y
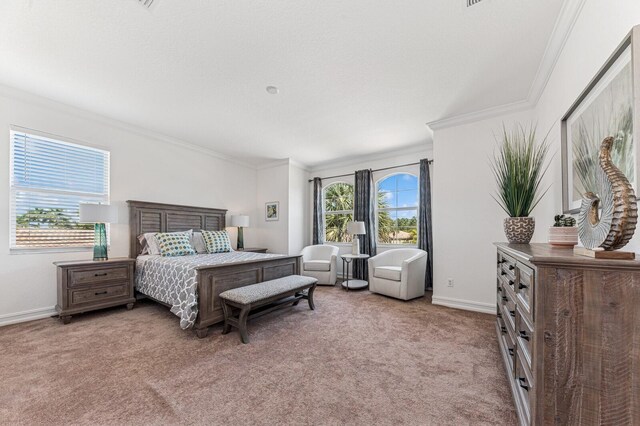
466, 219
372, 162
139, 171
273, 185
298, 208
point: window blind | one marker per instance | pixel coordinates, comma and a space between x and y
49, 180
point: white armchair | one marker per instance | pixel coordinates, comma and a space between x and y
398, 273
320, 262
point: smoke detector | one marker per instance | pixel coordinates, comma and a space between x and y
472, 2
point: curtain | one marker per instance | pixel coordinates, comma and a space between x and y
363, 211
318, 224
425, 239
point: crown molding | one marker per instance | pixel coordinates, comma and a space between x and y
31, 98
471, 117
569, 13
273, 163
567, 19
421, 149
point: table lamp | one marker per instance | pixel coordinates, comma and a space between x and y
355, 229
240, 221
99, 214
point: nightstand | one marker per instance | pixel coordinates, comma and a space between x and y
254, 249
87, 285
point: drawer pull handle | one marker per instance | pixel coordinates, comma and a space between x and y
503, 273
523, 383
511, 351
101, 292
521, 286
503, 329
504, 298
104, 274
511, 282
511, 267
524, 335
499, 315
512, 313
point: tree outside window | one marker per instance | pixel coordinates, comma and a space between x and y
397, 212
338, 211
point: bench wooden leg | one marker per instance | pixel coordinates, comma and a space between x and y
310, 297
227, 314
242, 323
202, 332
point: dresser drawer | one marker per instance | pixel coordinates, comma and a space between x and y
525, 289
524, 337
524, 387
508, 346
99, 294
82, 277
509, 315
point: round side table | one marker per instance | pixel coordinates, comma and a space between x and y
352, 284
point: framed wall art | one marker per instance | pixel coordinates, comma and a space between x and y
607, 107
272, 211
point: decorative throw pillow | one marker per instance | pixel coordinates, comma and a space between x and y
149, 243
175, 243
198, 243
217, 241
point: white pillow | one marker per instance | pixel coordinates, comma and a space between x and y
197, 241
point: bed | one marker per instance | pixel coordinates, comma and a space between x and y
201, 278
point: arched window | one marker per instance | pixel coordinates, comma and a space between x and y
338, 210
397, 212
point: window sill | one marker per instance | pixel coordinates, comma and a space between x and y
45, 250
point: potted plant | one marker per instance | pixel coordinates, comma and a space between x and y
564, 231
519, 166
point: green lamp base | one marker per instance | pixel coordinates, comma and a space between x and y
100, 242
240, 239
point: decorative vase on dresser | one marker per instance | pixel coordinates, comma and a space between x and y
569, 333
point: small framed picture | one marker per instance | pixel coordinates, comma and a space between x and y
272, 211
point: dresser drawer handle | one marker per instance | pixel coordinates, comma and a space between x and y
503, 329
523, 383
521, 286
511, 267
524, 335
104, 274
499, 315
511, 351
101, 292
512, 313
504, 298
511, 282
503, 273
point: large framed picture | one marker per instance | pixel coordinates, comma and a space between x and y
272, 211
607, 107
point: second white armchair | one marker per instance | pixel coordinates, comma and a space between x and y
320, 262
398, 273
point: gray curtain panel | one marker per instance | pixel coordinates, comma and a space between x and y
363, 211
425, 240
318, 224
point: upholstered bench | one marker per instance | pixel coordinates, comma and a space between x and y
258, 299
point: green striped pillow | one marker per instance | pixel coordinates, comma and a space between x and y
175, 243
217, 241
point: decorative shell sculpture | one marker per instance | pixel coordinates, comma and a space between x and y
613, 226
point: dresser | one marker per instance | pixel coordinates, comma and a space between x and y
88, 285
568, 329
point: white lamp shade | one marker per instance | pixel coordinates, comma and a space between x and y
356, 228
240, 221
98, 213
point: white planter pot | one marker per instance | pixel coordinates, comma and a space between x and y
565, 236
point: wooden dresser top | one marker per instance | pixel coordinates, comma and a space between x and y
540, 254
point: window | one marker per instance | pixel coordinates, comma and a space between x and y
49, 180
397, 212
338, 210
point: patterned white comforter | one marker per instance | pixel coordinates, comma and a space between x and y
173, 280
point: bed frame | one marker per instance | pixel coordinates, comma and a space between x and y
212, 280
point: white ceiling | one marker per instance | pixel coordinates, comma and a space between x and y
355, 77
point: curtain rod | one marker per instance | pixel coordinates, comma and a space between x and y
375, 170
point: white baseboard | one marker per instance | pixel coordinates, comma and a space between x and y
467, 305
25, 316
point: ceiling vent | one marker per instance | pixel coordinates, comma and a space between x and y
469, 2
148, 3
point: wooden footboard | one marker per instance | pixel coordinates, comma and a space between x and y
215, 279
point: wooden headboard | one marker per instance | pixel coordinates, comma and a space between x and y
156, 217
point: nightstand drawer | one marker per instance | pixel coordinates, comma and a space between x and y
98, 275
98, 294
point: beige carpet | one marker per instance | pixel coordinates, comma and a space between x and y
359, 358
